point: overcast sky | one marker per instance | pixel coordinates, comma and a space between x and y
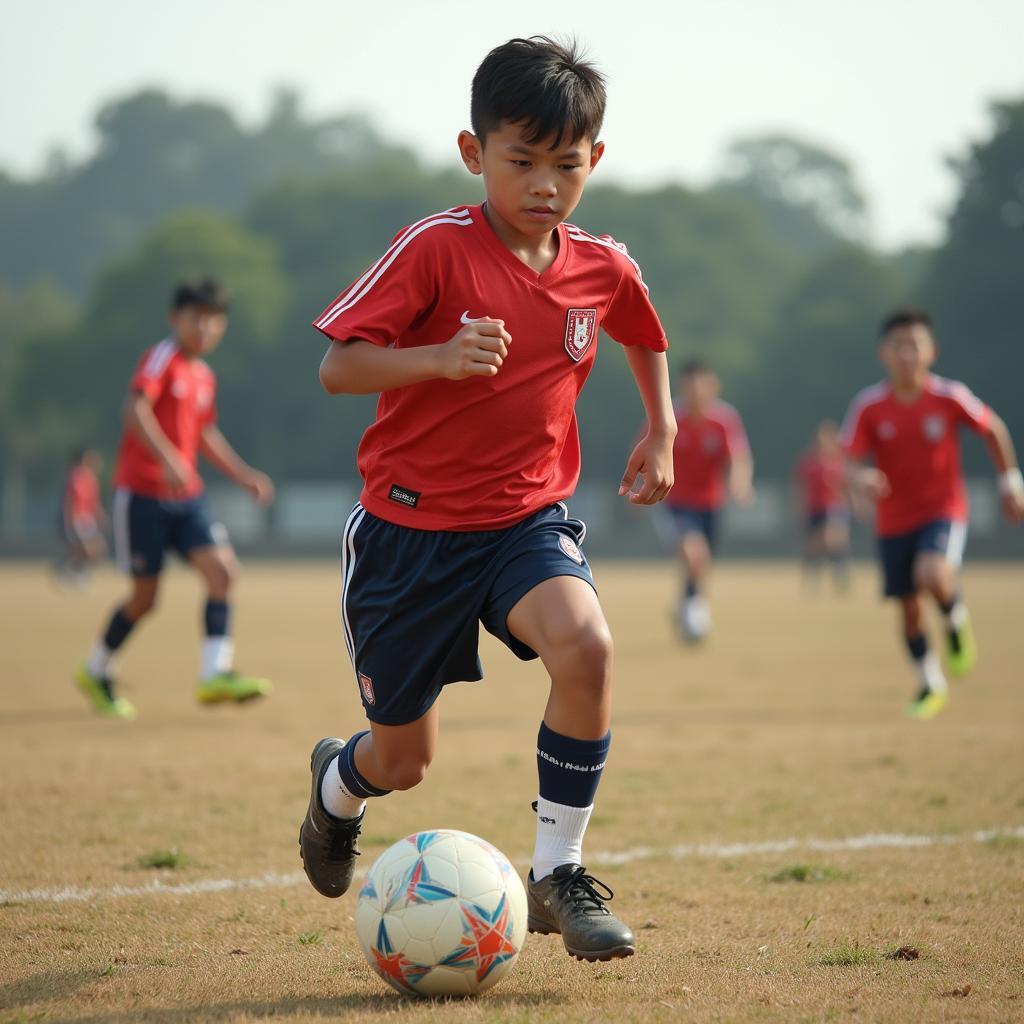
893, 85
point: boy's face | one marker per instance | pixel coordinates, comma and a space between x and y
532, 187
907, 353
198, 329
92, 460
700, 389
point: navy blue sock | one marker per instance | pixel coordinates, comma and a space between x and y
117, 630
947, 607
217, 617
917, 646
691, 589
351, 778
569, 770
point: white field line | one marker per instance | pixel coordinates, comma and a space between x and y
278, 880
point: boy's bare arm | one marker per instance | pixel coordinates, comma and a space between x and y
218, 452
652, 457
361, 368
741, 479
140, 418
1011, 485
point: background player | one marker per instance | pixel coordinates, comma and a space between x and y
908, 424
83, 519
821, 476
712, 463
479, 327
170, 417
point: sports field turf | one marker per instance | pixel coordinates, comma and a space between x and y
772, 825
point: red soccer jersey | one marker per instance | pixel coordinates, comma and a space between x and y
485, 452
703, 449
183, 393
821, 480
81, 494
915, 445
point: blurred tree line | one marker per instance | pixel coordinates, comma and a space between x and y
767, 273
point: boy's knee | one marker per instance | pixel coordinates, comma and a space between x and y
221, 575
589, 649
139, 604
405, 773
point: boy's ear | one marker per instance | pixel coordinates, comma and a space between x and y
596, 152
471, 150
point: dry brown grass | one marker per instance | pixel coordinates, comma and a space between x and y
788, 724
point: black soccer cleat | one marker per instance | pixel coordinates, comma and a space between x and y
570, 903
327, 845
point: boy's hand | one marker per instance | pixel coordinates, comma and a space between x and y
478, 350
872, 483
260, 486
742, 492
652, 462
177, 473
1013, 508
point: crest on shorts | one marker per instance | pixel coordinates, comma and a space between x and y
934, 427
568, 545
366, 685
580, 331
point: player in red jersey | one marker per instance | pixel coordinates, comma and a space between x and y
712, 463
170, 418
82, 518
478, 327
821, 477
908, 425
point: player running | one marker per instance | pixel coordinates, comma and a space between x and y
908, 425
712, 463
170, 417
478, 327
821, 477
83, 519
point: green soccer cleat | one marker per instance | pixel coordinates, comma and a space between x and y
100, 692
232, 686
927, 704
961, 652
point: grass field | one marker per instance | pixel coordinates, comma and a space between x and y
742, 822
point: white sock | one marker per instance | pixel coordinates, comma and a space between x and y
929, 670
98, 662
337, 800
957, 616
559, 836
218, 653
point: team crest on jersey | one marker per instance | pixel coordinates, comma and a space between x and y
580, 332
934, 427
366, 685
568, 545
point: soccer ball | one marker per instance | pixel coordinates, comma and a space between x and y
441, 913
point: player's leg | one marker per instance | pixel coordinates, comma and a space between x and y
897, 556
562, 621
695, 555
409, 613
836, 540
935, 572
347, 773
814, 552
205, 546
140, 536
932, 687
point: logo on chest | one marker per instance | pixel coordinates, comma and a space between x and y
580, 332
934, 428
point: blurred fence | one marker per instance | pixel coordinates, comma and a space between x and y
307, 519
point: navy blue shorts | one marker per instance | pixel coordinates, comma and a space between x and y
823, 516
144, 528
684, 519
412, 601
897, 554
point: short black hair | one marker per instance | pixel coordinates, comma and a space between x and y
905, 316
206, 291
694, 366
541, 84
